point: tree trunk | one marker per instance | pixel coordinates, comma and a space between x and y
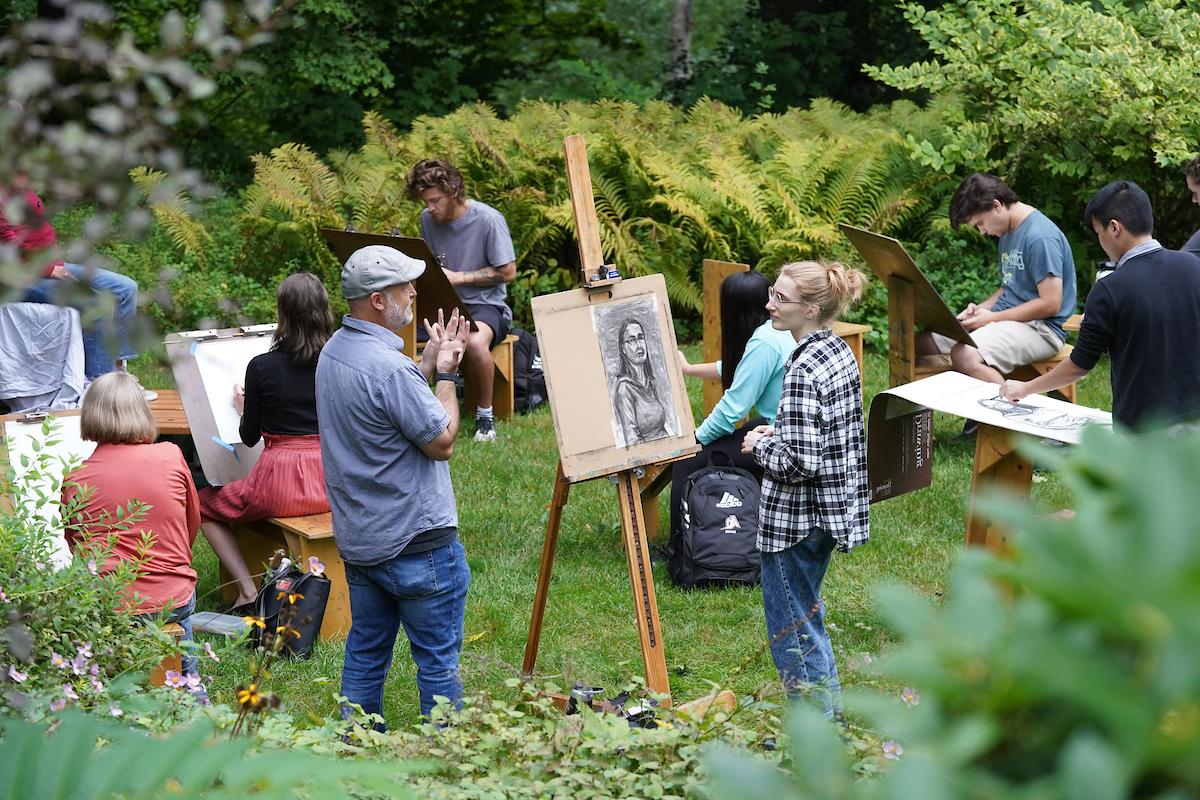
679, 70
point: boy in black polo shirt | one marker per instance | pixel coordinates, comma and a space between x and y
1145, 315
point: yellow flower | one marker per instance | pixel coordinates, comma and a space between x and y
249, 697
257, 622
292, 597
286, 631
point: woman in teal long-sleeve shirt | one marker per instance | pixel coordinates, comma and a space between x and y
751, 369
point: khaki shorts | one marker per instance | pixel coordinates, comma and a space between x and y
1007, 345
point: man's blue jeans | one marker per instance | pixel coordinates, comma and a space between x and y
427, 594
89, 296
800, 646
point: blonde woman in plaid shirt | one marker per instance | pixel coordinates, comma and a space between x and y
814, 460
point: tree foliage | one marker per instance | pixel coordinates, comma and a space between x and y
84, 105
1062, 97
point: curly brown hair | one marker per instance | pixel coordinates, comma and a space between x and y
435, 174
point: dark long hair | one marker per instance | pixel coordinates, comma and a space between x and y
626, 369
743, 309
305, 320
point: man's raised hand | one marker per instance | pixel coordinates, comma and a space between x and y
453, 341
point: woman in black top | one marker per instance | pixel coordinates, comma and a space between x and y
278, 405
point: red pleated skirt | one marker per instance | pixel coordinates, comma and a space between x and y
287, 481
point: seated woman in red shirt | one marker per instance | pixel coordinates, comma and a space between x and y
279, 405
127, 465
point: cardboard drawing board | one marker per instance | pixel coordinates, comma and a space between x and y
207, 364
888, 259
27, 441
610, 416
434, 291
898, 431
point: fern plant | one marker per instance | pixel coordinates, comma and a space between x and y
672, 187
171, 207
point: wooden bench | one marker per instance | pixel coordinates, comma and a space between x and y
502, 385
173, 662
300, 537
168, 413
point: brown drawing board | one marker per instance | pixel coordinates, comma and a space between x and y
888, 259
575, 336
433, 288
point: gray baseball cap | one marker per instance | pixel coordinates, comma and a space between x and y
376, 267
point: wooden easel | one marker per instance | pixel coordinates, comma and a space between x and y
595, 276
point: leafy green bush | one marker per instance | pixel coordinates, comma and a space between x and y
69, 633
1068, 670
82, 757
1061, 97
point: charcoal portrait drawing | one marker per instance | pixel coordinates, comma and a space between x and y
1047, 418
635, 364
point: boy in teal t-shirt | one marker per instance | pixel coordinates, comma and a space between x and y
1021, 322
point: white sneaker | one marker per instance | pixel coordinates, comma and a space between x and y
485, 429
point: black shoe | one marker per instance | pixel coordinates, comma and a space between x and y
970, 428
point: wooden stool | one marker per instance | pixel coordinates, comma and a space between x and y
174, 662
301, 537
502, 386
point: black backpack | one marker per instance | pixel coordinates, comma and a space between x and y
529, 382
716, 543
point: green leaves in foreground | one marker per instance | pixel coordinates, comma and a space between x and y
1068, 670
81, 757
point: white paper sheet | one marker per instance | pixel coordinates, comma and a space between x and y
222, 365
1037, 415
67, 444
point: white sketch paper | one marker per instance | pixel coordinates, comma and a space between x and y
222, 365
635, 365
1037, 415
67, 445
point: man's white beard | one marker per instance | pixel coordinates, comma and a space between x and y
395, 318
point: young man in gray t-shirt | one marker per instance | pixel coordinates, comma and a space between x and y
472, 244
1021, 322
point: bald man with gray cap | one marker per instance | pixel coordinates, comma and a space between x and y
385, 442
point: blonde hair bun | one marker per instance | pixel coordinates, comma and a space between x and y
831, 286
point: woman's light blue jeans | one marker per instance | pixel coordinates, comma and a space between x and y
800, 645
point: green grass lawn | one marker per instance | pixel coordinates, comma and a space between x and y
503, 491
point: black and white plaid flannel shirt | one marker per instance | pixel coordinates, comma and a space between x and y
816, 463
